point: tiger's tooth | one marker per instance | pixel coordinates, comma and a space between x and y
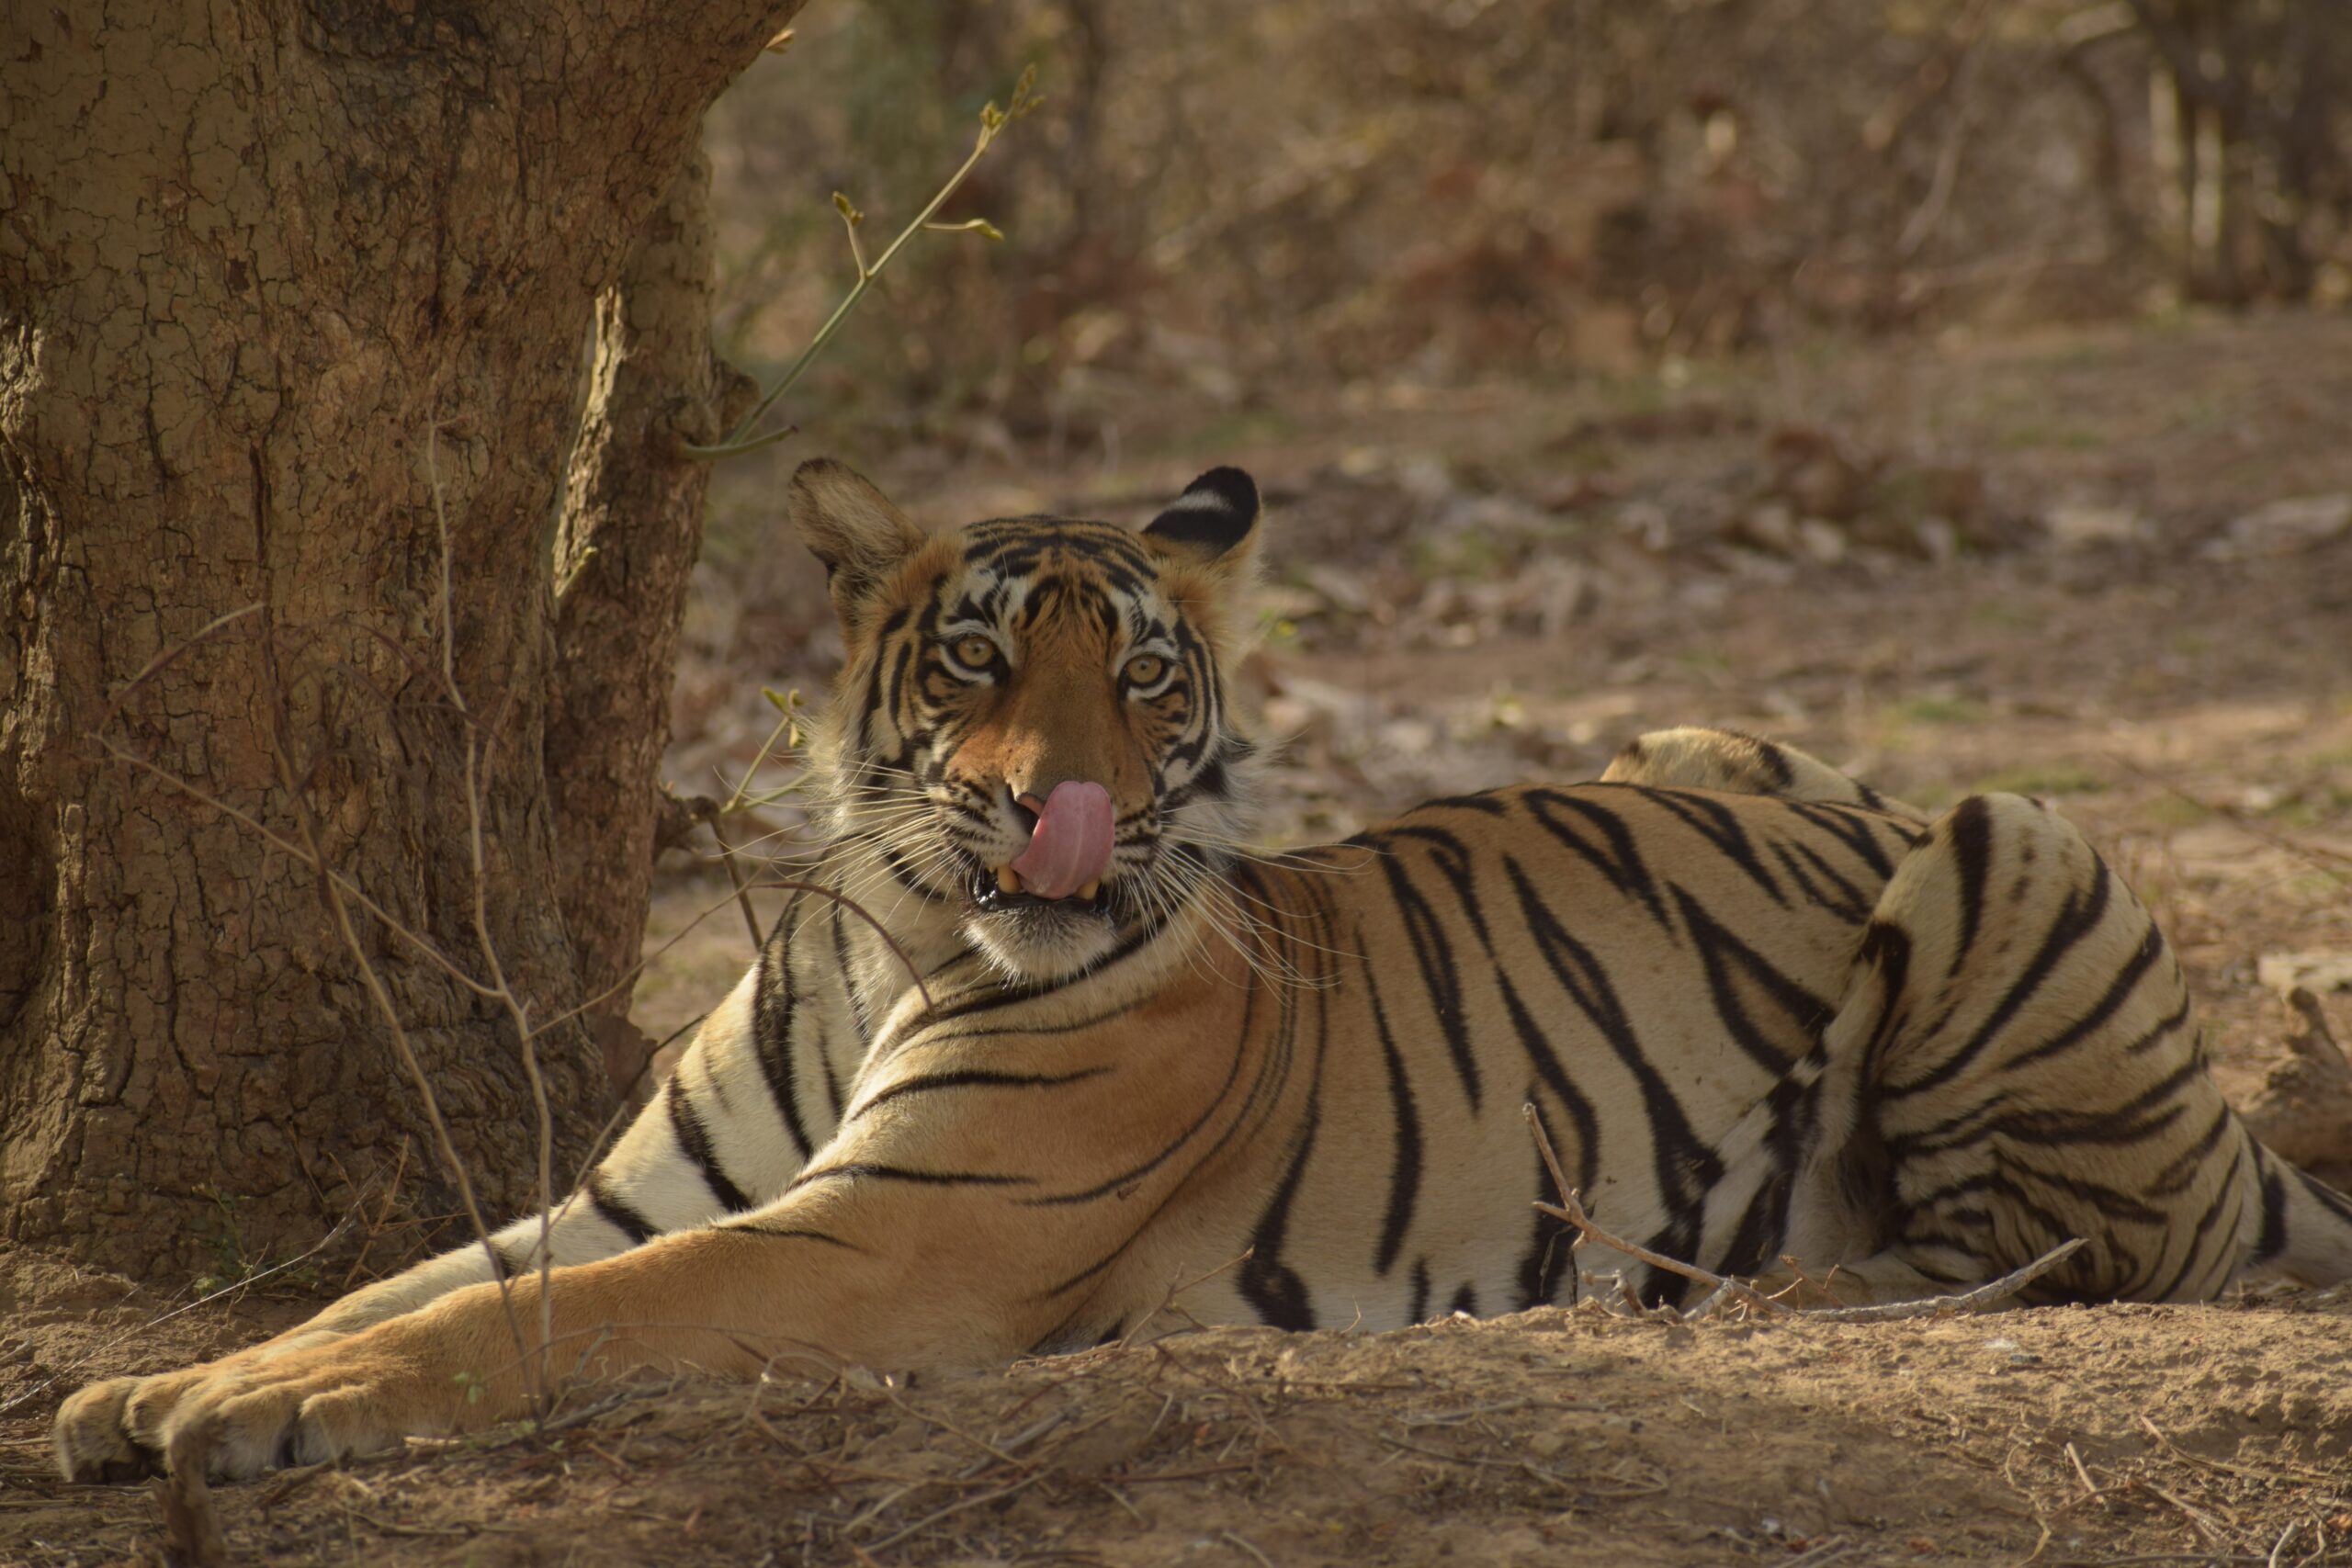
1090, 889
1008, 881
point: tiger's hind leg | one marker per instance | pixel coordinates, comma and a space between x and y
2014, 1065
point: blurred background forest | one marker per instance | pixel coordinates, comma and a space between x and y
1220, 194
1540, 185
1224, 202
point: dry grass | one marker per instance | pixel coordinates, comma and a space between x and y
2056, 1437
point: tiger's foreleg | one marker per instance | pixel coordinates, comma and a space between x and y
460, 1362
859, 1263
729, 1130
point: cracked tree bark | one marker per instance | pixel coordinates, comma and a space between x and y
632, 527
277, 287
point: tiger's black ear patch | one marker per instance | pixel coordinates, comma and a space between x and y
1214, 514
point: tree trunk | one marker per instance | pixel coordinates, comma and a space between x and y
281, 289
632, 527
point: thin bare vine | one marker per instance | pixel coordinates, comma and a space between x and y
993, 123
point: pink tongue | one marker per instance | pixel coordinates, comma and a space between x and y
1071, 845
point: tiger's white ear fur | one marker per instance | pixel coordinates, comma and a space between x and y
851, 527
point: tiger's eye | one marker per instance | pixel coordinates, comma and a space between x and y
974, 652
1146, 668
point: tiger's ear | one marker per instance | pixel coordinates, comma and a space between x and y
853, 528
1213, 525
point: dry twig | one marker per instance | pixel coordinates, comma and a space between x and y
1261, 1557
1175, 1289
1570, 1209
537, 1373
1989, 1295
2317, 857
2090, 1487
189, 1522
1724, 1288
106, 1348
2275, 1474
314, 855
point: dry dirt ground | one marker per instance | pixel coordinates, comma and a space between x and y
2041, 564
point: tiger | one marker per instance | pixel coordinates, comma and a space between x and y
1046, 1042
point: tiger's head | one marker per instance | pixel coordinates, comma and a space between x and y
1031, 729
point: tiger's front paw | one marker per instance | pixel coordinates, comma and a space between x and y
92, 1439
113, 1431
345, 1399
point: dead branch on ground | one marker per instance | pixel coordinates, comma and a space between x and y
2327, 861
1726, 1290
